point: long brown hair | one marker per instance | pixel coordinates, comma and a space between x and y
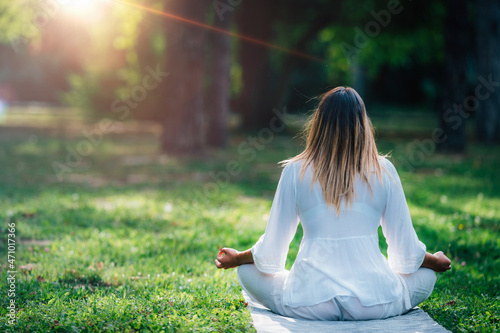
340, 145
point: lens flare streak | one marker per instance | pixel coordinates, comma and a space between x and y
219, 30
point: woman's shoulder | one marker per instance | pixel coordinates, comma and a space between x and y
291, 165
389, 171
387, 165
292, 170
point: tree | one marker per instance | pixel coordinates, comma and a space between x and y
452, 117
255, 102
317, 21
488, 51
196, 93
183, 123
265, 84
217, 93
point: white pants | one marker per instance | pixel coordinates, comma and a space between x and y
266, 289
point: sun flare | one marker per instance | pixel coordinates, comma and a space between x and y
81, 7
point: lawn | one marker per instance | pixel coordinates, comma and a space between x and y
127, 240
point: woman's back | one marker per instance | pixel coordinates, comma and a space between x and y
321, 220
339, 254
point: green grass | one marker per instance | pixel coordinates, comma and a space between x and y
127, 241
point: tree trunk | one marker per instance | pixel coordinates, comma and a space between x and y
323, 19
488, 52
217, 94
453, 115
183, 103
358, 77
255, 102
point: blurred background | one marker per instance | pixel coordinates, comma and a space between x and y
223, 64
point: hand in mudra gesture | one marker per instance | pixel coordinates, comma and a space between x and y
227, 258
442, 262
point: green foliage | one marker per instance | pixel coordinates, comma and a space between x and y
412, 35
127, 242
120, 41
112, 65
18, 21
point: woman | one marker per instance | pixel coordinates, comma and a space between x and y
341, 190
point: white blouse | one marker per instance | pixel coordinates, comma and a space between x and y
340, 255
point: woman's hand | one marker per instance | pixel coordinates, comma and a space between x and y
227, 258
438, 262
442, 262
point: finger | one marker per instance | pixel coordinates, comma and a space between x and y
218, 264
222, 252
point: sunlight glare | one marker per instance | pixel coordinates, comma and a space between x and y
81, 7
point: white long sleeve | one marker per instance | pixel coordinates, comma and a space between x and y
405, 252
270, 252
